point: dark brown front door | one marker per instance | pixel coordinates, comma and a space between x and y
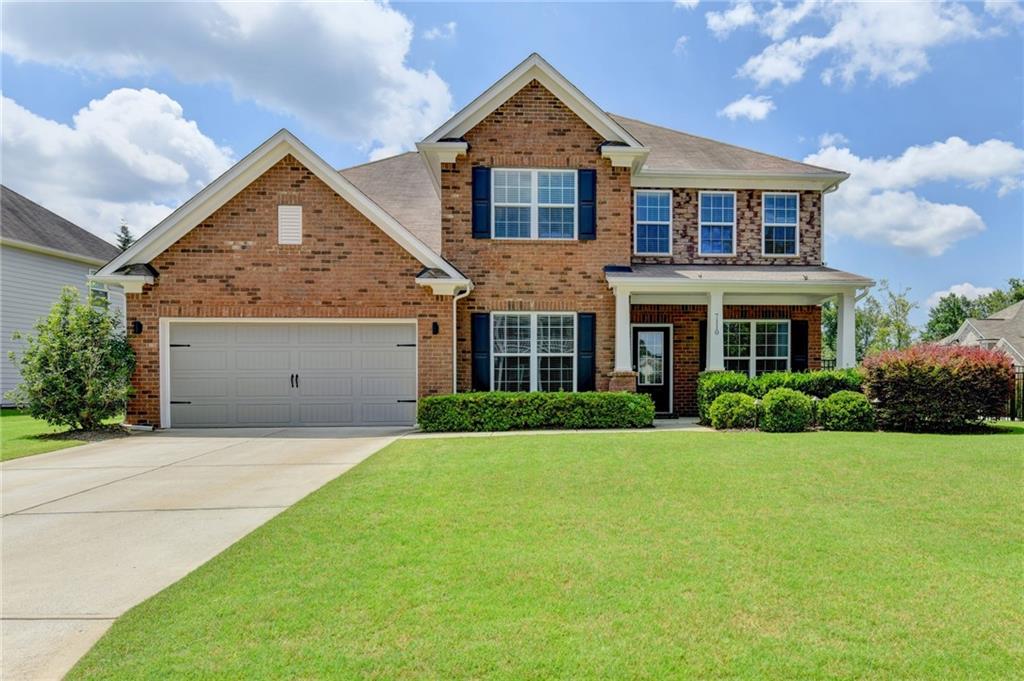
652, 362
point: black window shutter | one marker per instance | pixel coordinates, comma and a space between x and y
481, 202
798, 345
586, 200
481, 339
586, 344
702, 352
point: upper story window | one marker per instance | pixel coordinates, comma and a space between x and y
780, 213
534, 204
717, 223
533, 351
652, 219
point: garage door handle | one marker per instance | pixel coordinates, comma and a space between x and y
180, 402
405, 400
296, 380
405, 345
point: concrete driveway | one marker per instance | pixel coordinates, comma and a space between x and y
89, 532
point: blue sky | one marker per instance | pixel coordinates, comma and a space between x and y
123, 111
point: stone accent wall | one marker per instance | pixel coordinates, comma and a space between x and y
533, 129
749, 231
232, 266
685, 321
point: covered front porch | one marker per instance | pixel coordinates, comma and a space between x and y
674, 321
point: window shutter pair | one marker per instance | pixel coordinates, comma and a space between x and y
586, 203
586, 346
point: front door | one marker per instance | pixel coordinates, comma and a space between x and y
652, 361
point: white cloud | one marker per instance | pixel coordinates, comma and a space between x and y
340, 67
680, 46
752, 108
1008, 10
445, 31
886, 41
723, 23
686, 4
131, 155
877, 202
967, 289
832, 139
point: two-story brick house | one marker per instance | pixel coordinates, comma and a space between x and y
532, 242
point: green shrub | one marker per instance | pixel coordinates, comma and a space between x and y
733, 410
76, 368
818, 384
498, 411
711, 384
938, 388
785, 411
846, 410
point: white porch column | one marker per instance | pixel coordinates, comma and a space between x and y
846, 348
623, 340
716, 348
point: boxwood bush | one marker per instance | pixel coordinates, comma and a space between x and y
937, 388
714, 383
785, 411
846, 410
733, 410
818, 384
497, 411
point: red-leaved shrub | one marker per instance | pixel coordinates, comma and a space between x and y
937, 388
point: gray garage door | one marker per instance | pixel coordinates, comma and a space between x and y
273, 374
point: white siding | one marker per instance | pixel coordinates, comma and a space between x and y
29, 285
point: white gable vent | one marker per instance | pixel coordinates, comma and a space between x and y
289, 224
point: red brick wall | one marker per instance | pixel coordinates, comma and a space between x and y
533, 129
232, 266
749, 230
685, 321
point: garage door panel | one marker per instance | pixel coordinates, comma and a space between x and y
194, 387
326, 386
243, 374
194, 359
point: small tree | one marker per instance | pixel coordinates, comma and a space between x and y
76, 369
125, 238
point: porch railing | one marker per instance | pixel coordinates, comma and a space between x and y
1015, 410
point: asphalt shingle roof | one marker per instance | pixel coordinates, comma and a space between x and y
22, 219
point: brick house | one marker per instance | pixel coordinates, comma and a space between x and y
532, 242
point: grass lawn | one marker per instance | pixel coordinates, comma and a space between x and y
19, 436
654, 555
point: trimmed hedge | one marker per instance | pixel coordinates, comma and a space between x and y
498, 411
734, 410
818, 384
937, 388
714, 383
785, 411
846, 410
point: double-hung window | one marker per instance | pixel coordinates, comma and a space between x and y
534, 204
756, 348
533, 351
780, 213
717, 223
652, 220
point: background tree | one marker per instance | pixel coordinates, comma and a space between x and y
76, 368
124, 237
952, 309
882, 323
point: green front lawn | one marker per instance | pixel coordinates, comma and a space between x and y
19, 436
593, 556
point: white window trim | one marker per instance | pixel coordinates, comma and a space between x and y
701, 223
533, 354
765, 225
753, 356
636, 222
535, 205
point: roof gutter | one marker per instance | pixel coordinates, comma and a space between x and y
55, 252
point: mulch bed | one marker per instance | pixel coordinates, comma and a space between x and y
97, 435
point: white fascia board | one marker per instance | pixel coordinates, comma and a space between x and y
436, 153
228, 185
625, 157
446, 287
55, 252
131, 283
533, 67
652, 179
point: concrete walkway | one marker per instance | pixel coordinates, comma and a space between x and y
91, 531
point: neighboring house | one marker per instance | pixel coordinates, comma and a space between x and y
1003, 331
41, 253
533, 242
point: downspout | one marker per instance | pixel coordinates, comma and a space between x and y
455, 336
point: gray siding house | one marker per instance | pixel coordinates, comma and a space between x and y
40, 253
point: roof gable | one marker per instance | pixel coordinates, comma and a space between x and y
24, 222
216, 194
